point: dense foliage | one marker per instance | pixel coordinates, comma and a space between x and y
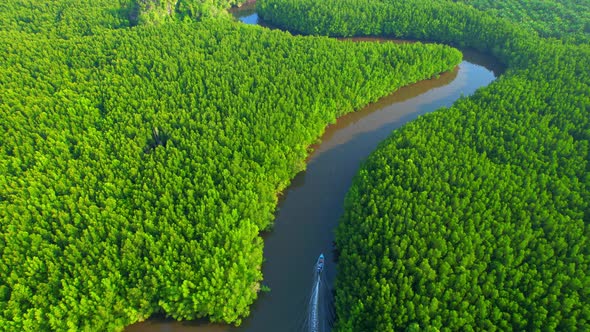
64, 18
565, 19
474, 217
157, 11
138, 165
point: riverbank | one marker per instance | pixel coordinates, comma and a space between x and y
311, 206
459, 219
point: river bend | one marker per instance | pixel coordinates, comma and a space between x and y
310, 208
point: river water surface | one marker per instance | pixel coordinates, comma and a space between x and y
310, 208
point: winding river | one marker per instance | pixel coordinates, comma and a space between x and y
310, 208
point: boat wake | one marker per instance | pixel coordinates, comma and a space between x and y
319, 313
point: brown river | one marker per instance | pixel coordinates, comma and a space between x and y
309, 210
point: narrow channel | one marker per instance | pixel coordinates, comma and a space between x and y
310, 208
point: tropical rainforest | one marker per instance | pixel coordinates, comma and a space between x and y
142, 148
475, 217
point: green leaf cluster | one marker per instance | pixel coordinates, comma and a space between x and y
477, 216
139, 165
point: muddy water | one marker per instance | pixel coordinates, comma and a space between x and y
309, 210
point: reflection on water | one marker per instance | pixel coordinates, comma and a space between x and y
310, 208
379, 113
246, 13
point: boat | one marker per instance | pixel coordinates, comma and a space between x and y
314, 315
320, 264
